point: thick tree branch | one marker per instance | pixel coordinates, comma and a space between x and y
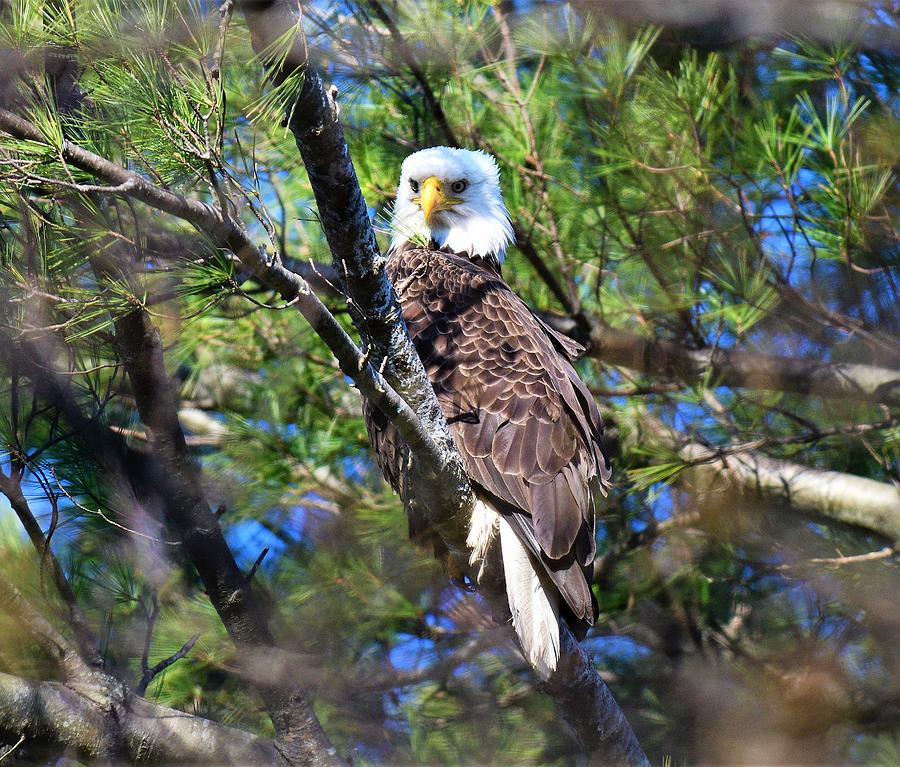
833, 495
586, 703
442, 489
727, 367
841, 497
134, 729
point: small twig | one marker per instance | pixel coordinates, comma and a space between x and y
872, 556
257, 563
100, 513
815, 435
18, 743
150, 673
152, 615
226, 10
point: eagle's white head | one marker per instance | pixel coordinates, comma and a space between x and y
452, 196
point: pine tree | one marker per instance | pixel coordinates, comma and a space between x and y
714, 219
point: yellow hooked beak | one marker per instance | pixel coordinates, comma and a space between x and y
432, 197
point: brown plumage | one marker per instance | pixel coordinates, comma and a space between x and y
525, 424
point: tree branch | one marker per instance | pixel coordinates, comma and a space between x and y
134, 729
179, 481
841, 497
228, 233
150, 672
11, 487
728, 367
54, 644
834, 495
442, 489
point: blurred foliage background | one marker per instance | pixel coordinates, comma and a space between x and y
713, 184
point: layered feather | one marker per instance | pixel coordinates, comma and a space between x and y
525, 424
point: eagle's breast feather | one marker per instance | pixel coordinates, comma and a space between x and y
525, 424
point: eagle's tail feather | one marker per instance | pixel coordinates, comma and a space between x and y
534, 607
482, 529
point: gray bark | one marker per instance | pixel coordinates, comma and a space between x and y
832, 495
99, 725
439, 488
582, 697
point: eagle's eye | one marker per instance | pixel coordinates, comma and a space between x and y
414, 185
459, 187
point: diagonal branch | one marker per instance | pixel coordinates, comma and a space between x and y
600, 726
54, 644
150, 672
441, 488
229, 234
832, 495
88, 643
187, 509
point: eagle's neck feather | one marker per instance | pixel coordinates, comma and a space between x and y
484, 235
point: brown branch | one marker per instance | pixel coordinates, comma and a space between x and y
186, 508
732, 367
88, 643
150, 672
432, 104
853, 559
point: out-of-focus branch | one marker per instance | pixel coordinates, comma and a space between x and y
54, 644
139, 345
11, 487
167, 480
432, 104
726, 367
837, 496
128, 728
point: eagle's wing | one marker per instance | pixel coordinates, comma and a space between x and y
525, 424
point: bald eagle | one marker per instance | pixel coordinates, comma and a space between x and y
526, 426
